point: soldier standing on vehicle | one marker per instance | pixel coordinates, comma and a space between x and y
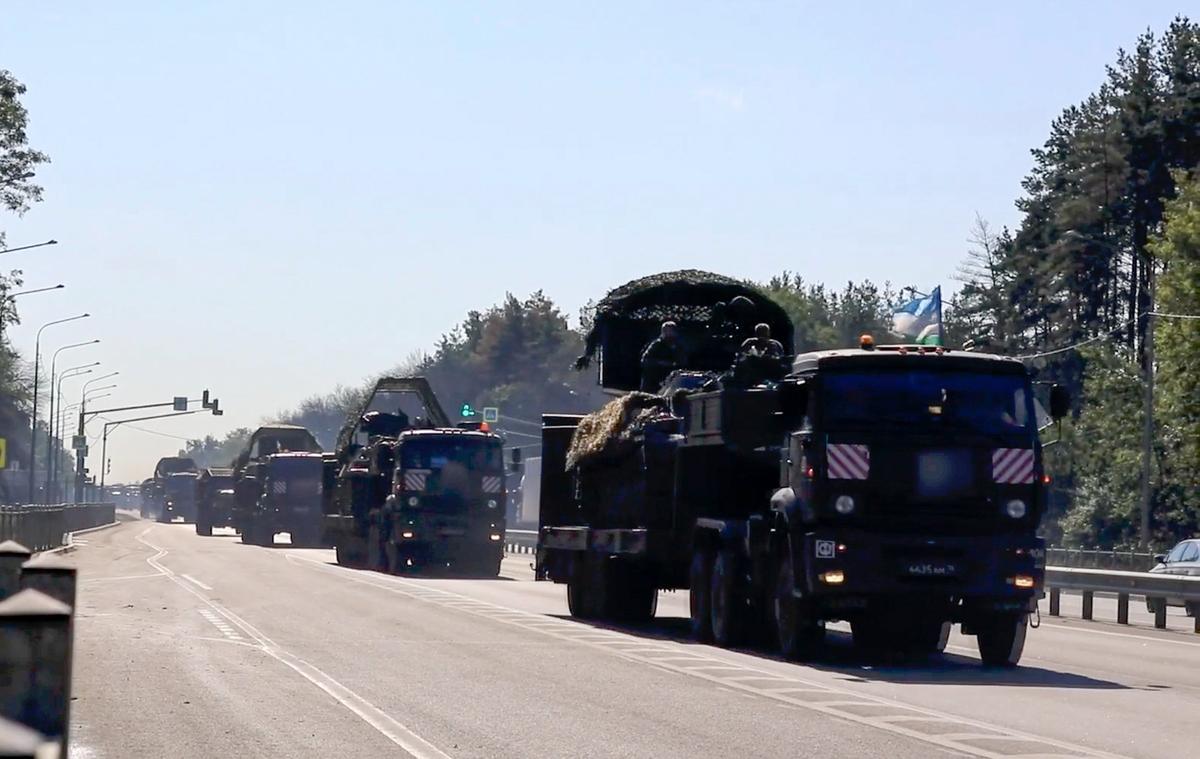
663, 355
762, 345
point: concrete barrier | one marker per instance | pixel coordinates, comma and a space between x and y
35, 654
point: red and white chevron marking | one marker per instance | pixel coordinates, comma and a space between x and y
848, 461
491, 484
415, 479
1012, 466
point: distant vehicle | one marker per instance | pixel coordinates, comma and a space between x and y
278, 486
215, 501
172, 490
531, 491
1183, 559
409, 490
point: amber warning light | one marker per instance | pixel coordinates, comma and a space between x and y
866, 342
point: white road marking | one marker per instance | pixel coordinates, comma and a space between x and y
833, 706
196, 582
391, 729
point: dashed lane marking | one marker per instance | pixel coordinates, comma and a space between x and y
961, 734
415, 745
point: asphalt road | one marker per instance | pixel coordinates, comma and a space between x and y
204, 647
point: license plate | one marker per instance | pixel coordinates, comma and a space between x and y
931, 569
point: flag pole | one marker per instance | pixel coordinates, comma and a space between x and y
941, 326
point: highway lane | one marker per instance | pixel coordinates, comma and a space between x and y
193, 646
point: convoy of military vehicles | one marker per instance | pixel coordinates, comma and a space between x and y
896, 488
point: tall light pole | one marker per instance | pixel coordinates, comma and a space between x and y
37, 348
50, 413
56, 422
22, 292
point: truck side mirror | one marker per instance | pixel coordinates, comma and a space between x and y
1060, 402
515, 453
1160, 558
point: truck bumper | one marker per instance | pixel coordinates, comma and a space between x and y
855, 569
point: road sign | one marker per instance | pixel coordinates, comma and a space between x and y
491, 414
181, 403
467, 411
78, 442
3, 453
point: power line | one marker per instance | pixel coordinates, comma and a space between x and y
1106, 335
521, 434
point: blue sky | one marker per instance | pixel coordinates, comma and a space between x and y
272, 198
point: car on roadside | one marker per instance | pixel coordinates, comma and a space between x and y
1183, 559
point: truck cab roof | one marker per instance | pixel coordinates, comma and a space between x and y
905, 357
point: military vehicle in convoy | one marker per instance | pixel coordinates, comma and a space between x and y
410, 491
895, 487
216, 505
171, 492
278, 486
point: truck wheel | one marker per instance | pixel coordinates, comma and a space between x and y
579, 592
797, 635
248, 533
349, 551
727, 612
636, 595
1001, 639
203, 528
376, 559
699, 597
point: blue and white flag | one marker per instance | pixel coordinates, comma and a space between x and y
920, 320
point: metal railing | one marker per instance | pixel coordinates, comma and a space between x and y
1156, 588
40, 527
1096, 558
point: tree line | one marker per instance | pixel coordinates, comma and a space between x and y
1109, 236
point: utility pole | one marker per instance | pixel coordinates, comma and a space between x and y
1148, 423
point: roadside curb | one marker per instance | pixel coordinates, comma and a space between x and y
70, 544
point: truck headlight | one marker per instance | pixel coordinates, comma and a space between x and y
491, 503
844, 505
1016, 508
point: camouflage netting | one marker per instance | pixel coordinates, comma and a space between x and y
629, 317
613, 427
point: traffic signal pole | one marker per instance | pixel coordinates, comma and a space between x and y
113, 425
84, 414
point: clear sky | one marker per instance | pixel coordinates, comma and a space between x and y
271, 198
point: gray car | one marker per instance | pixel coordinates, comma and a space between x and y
1184, 559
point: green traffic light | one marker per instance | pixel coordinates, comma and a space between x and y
467, 410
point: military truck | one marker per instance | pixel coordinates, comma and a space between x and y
409, 490
895, 487
278, 486
171, 492
216, 505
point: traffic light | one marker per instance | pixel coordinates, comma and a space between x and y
215, 405
468, 411
204, 400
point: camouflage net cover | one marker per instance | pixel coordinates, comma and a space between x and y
613, 427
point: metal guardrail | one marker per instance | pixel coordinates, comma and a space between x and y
1156, 588
42, 527
520, 541
1128, 561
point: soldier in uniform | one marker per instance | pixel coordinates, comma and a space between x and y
662, 356
762, 345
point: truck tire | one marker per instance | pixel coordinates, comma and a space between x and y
581, 601
635, 594
376, 558
797, 634
699, 598
349, 551
203, 527
1001, 639
727, 610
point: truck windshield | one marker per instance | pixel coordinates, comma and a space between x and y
966, 401
473, 454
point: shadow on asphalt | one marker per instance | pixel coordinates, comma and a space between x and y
448, 573
838, 655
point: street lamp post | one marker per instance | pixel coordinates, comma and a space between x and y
50, 413
56, 421
79, 456
37, 347
30, 247
22, 292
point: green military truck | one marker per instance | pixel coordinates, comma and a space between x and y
895, 487
216, 505
171, 492
278, 486
408, 490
